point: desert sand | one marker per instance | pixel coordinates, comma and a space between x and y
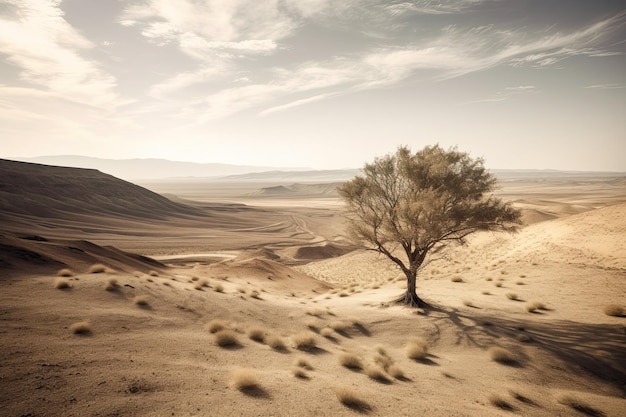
298, 302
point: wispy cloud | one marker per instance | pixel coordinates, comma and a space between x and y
508, 93
433, 6
606, 86
50, 54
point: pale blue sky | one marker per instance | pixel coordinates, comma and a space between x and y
315, 83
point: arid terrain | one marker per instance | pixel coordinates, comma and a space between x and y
244, 297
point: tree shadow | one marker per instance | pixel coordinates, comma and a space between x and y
598, 349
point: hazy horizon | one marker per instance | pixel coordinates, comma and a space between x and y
525, 84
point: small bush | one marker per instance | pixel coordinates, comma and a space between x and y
303, 363
226, 338
245, 379
111, 285
315, 312
153, 273
383, 361
498, 284
520, 283
396, 372
304, 341
468, 303
500, 402
276, 342
97, 269
327, 332
65, 273
81, 327
579, 405
614, 310
339, 326
218, 287
216, 325
257, 334
351, 399
456, 279
416, 349
485, 292
503, 356
533, 306
255, 294
62, 283
299, 373
512, 296
141, 300
350, 361
377, 374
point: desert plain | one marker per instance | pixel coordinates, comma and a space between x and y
245, 297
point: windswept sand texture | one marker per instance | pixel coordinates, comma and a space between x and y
296, 299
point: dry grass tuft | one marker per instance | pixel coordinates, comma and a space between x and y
456, 279
339, 325
416, 349
377, 374
141, 300
579, 405
502, 355
351, 399
498, 284
153, 273
315, 312
245, 379
396, 372
327, 332
468, 303
226, 338
303, 363
218, 287
383, 360
500, 402
299, 373
275, 342
62, 283
351, 361
614, 310
255, 294
512, 296
111, 285
304, 341
65, 272
257, 334
533, 306
81, 327
216, 325
485, 292
97, 269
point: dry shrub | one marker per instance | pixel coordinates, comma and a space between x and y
377, 374
498, 284
153, 273
485, 292
579, 405
396, 372
81, 327
218, 287
488, 279
533, 306
242, 290
195, 279
500, 402
512, 296
303, 363
327, 332
226, 338
299, 373
141, 300
383, 361
351, 361
520, 283
416, 349
304, 341
111, 285
245, 379
502, 355
255, 294
614, 310
65, 272
97, 269
275, 342
198, 286
316, 312
468, 303
343, 294
339, 325
62, 283
311, 324
257, 334
456, 279
351, 399
216, 325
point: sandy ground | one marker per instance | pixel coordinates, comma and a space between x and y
288, 273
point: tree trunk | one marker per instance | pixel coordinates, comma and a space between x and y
410, 297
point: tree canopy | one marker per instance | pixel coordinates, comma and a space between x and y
407, 206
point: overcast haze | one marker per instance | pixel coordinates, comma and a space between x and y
315, 83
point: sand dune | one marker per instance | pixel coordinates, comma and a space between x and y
296, 301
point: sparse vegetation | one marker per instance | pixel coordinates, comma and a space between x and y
65, 272
304, 341
81, 327
141, 300
226, 338
512, 296
396, 372
456, 279
533, 306
62, 283
503, 356
614, 310
218, 287
485, 292
299, 373
327, 332
376, 374
97, 269
257, 334
500, 402
245, 379
498, 284
111, 285
216, 325
579, 405
351, 399
416, 349
339, 325
350, 361
275, 342
303, 363
153, 273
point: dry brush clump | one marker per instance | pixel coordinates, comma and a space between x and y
456, 279
257, 334
304, 341
81, 328
245, 379
141, 301
65, 272
218, 287
276, 342
577, 404
377, 374
614, 310
512, 296
350, 398
500, 402
62, 283
416, 349
111, 285
216, 325
153, 273
99, 269
299, 373
533, 306
226, 338
303, 363
350, 361
396, 372
503, 356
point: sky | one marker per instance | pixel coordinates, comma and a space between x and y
535, 84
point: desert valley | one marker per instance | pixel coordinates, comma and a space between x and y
244, 296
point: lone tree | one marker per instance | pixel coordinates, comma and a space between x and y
407, 206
